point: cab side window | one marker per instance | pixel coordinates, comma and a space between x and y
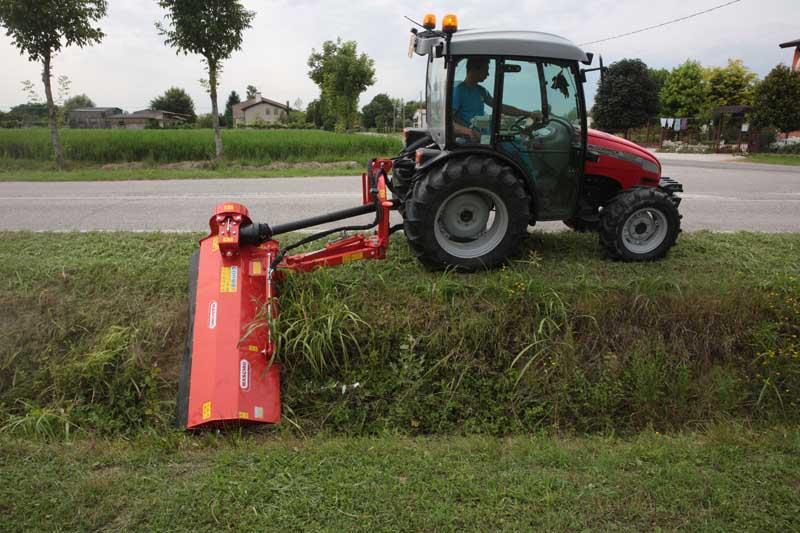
472, 100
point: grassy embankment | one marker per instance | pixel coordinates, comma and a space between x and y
177, 154
725, 478
93, 326
774, 159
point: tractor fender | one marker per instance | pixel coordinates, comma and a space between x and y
447, 155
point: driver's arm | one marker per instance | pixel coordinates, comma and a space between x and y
513, 111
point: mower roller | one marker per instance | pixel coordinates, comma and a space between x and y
229, 370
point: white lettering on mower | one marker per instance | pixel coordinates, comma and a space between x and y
244, 375
212, 315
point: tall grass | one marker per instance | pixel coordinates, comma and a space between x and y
563, 339
166, 146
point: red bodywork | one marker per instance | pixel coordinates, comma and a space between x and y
619, 159
234, 377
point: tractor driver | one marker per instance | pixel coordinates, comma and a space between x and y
469, 97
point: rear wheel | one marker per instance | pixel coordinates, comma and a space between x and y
639, 224
470, 214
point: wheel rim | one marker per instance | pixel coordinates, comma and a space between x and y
645, 230
471, 223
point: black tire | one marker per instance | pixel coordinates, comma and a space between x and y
657, 215
582, 225
477, 176
182, 404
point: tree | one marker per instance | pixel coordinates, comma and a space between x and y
775, 100
627, 97
685, 91
212, 29
730, 85
252, 91
175, 100
41, 28
79, 101
659, 76
380, 109
233, 99
342, 75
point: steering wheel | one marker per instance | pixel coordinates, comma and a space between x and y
517, 126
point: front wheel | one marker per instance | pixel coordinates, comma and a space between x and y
470, 214
639, 224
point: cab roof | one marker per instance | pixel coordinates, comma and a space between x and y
515, 43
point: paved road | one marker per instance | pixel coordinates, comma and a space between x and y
720, 196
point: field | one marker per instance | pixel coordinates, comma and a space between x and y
170, 146
774, 159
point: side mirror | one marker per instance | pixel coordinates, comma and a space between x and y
589, 58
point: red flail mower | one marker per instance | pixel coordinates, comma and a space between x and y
229, 371
506, 145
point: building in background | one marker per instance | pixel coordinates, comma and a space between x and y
147, 118
92, 117
259, 111
420, 118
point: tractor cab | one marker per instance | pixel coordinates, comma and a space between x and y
507, 145
517, 94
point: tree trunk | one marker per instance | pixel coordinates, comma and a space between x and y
212, 85
51, 114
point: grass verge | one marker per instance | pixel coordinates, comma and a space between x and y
46, 172
724, 478
774, 159
94, 324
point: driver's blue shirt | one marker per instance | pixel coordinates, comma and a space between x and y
468, 102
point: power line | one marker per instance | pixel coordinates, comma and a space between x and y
697, 14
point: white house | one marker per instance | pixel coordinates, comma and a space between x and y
259, 110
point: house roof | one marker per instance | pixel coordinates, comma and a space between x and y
247, 104
149, 113
790, 44
96, 109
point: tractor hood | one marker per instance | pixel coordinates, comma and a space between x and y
613, 146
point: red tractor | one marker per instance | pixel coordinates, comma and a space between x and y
507, 146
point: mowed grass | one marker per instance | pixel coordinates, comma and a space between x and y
727, 477
169, 146
41, 171
93, 328
774, 159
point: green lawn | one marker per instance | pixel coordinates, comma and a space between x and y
725, 478
46, 172
774, 159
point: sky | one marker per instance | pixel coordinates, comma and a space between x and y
132, 65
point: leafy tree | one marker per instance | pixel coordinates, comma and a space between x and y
659, 76
212, 29
175, 100
730, 85
342, 75
685, 91
41, 28
627, 97
233, 99
775, 100
314, 113
252, 91
380, 109
79, 101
